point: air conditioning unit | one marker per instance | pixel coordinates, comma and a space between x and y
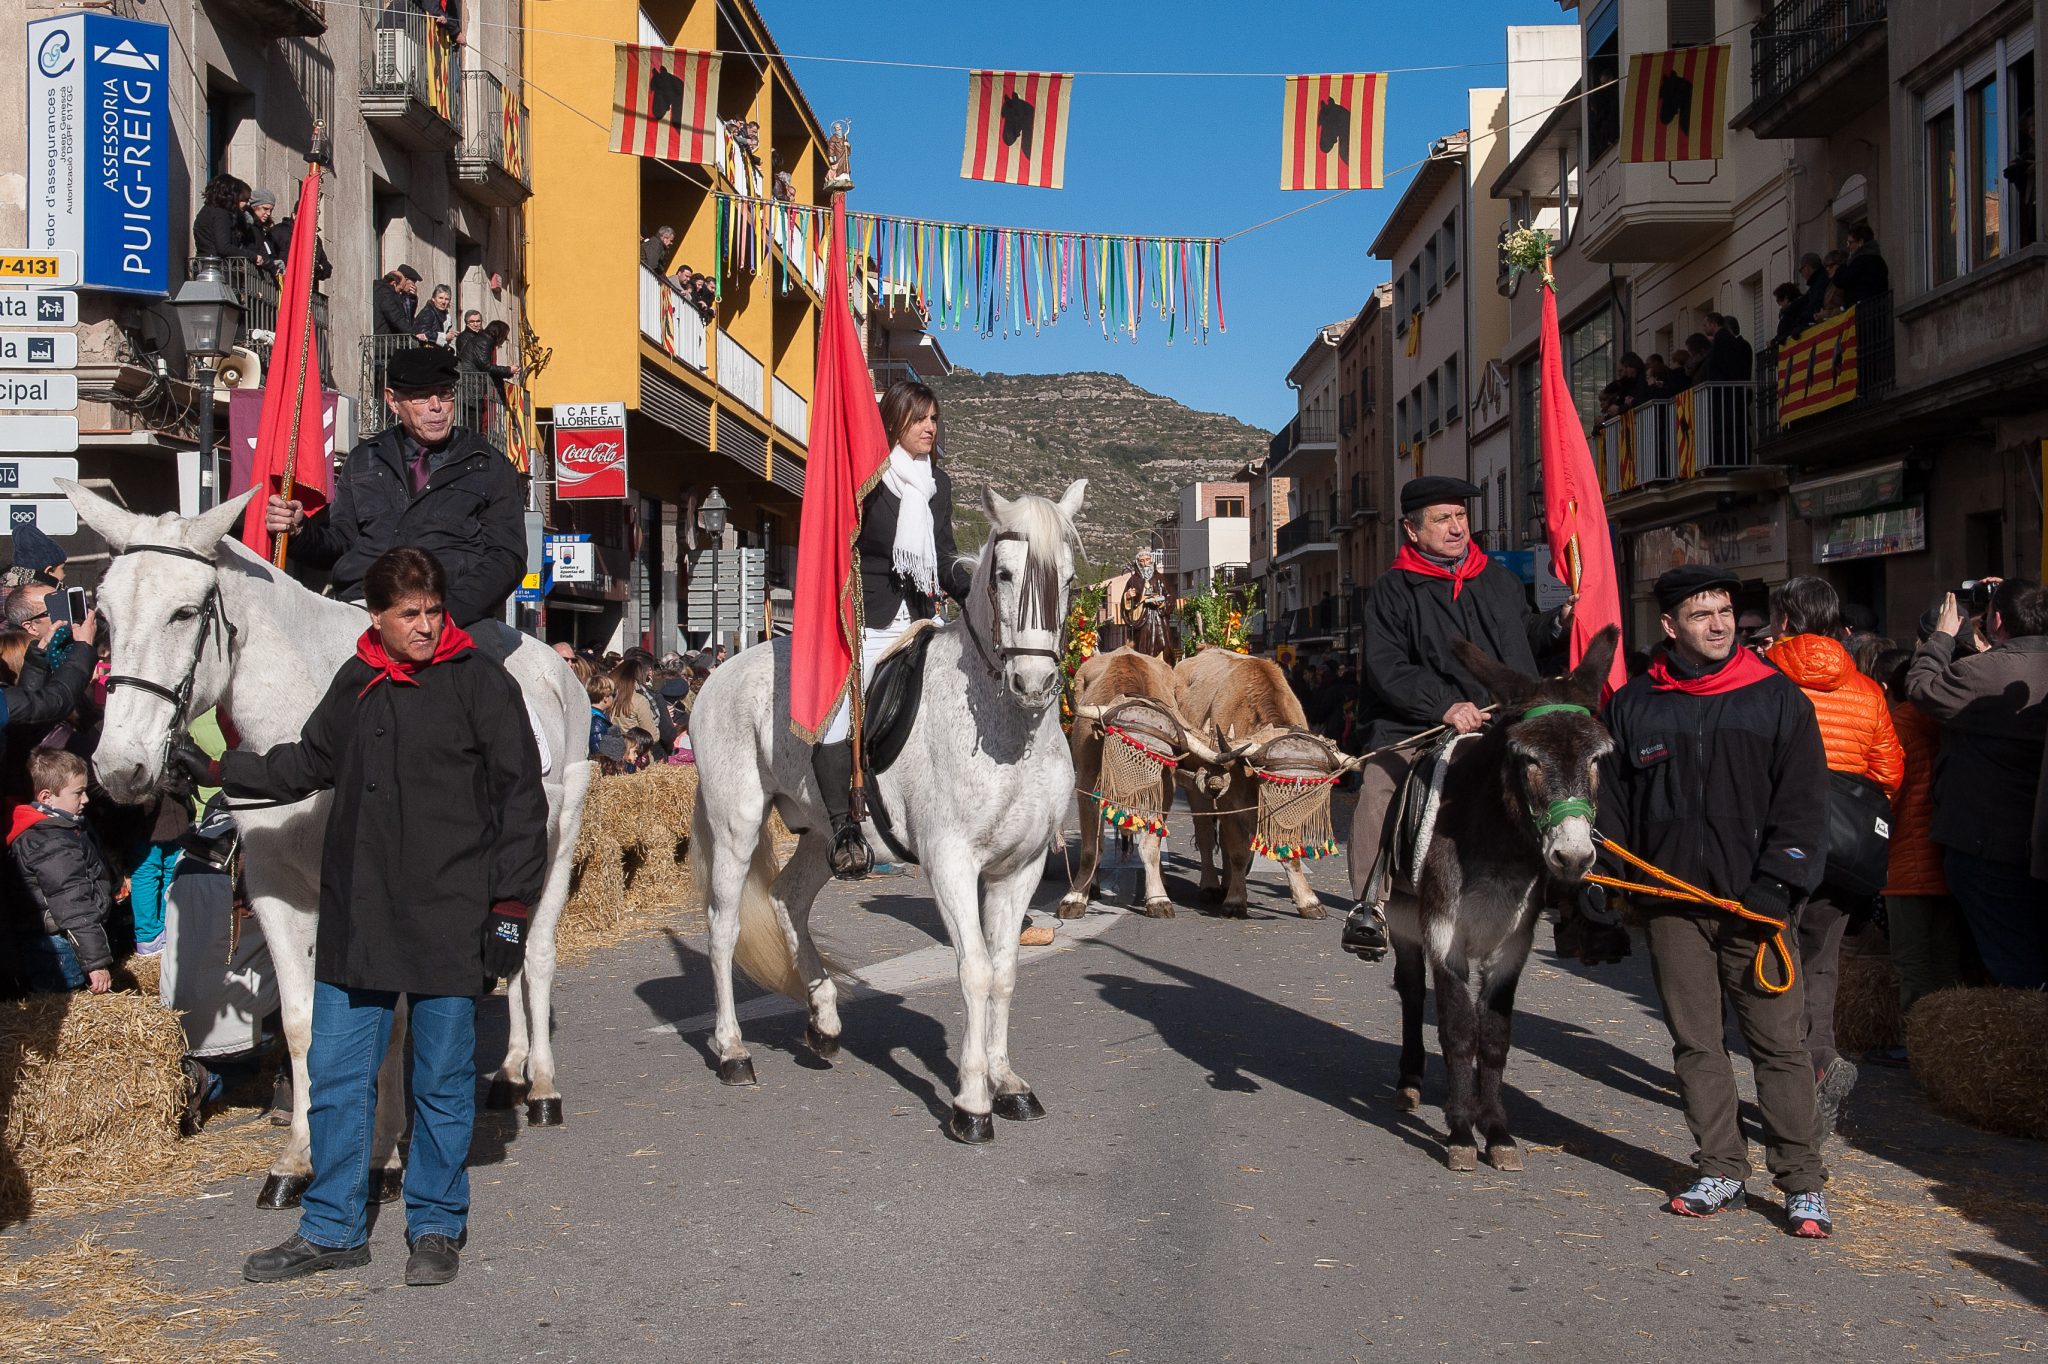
240, 368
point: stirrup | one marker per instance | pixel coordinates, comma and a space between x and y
851, 858
1365, 933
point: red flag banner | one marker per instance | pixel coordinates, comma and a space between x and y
1017, 128
1581, 553
291, 436
1817, 369
1675, 105
1332, 133
665, 104
847, 452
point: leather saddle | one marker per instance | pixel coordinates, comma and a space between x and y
893, 697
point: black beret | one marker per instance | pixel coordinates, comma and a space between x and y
409, 273
675, 689
613, 746
419, 368
1689, 580
1431, 489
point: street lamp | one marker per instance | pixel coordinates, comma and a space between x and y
711, 518
209, 318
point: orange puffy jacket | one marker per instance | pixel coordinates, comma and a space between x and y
1915, 867
1855, 719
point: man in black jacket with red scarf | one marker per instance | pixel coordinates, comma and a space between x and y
1719, 778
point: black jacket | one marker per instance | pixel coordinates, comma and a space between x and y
430, 322
66, 879
1718, 790
1411, 621
881, 590
45, 695
1993, 709
394, 310
1816, 299
654, 255
1864, 275
1730, 359
470, 516
438, 813
224, 233
474, 352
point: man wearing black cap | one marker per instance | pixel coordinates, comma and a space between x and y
424, 482
395, 299
1718, 776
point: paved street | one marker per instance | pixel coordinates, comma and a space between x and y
1222, 1177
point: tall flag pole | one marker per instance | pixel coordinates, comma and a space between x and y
1581, 552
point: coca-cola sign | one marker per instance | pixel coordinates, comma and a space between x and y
590, 451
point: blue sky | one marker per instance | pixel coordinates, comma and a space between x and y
1155, 155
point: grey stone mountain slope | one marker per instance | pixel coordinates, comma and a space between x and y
1038, 432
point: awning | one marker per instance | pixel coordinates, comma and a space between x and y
1878, 485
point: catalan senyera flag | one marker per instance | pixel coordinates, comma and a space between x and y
1017, 128
1817, 369
1414, 333
1685, 434
1625, 476
513, 124
1674, 106
1333, 132
665, 103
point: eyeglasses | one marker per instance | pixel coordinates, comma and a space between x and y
40, 615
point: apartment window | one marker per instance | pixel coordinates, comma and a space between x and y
1986, 183
1401, 421
1453, 395
1689, 23
1977, 170
1400, 304
1364, 408
1603, 80
1449, 249
1589, 361
1944, 257
1431, 279
1230, 506
1433, 403
1414, 284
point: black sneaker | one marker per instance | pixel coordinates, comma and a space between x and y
434, 1260
1831, 1091
296, 1256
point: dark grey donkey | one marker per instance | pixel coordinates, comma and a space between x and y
1516, 814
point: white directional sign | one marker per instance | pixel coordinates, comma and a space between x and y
39, 392
51, 269
38, 435
38, 350
35, 475
55, 516
38, 308
574, 558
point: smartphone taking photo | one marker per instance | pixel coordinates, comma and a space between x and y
67, 605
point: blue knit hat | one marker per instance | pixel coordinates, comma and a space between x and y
35, 550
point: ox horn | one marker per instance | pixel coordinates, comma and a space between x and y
1200, 751
1093, 714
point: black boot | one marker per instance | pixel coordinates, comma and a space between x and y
833, 765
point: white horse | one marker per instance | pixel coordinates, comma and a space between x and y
978, 795
197, 622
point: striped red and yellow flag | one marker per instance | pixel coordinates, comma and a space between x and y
1017, 128
1333, 132
1675, 105
665, 104
1817, 369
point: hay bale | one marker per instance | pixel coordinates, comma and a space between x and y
92, 1089
1982, 1057
597, 898
1867, 1004
630, 865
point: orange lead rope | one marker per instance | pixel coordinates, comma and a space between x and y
1675, 889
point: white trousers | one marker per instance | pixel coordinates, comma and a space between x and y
873, 644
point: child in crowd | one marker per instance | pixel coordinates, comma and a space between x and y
639, 749
599, 688
66, 877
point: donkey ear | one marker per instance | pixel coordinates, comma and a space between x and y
114, 523
210, 527
1070, 500
997, 506
1591, 674
1508, 686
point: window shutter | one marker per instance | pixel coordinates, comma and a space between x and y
1690, 23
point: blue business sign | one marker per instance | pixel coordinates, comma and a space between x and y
99, 148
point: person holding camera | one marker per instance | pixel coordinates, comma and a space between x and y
1856, 729
1993, 709
436, 844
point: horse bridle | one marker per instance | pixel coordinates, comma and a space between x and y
213, 622
993, 660
1571, 806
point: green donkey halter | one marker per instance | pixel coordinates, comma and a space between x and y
1560, 810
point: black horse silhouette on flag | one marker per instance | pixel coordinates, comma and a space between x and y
1333, 128
1018, 119
1674, 101
665, 96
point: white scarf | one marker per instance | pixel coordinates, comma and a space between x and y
916, 555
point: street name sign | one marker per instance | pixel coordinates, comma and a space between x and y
38, 392
38, 308
38, 435
35, 475
38, 350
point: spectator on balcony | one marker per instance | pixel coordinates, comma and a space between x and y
706, 295
1792, 318
275, 238
476, 352
223, 228
434, 325
1657, 378
655, 250
1730, 359
1864, 275
396, 299
1693, 366
1631, 389
1814, 274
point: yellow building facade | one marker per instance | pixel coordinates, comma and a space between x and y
722, 402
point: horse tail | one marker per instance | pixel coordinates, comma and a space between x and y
763, 948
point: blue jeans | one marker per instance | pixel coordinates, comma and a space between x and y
52, 964
351, 1029
2007, 911
146, 887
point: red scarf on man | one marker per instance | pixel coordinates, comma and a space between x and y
1466, 569
370, 649
1742, 668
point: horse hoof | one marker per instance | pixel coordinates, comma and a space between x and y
1022, 1106
544, 1112
1161, 908
822, 1046
1315, 911
1507, 1158
1073, 907
970, 1129
387, 1186
1212, 895
737, 1070
282, 1191
1409, 1099
504, 1093
1463, 1159
1237, 911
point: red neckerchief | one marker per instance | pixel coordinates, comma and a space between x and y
1468, 568
1741, 670
370, 649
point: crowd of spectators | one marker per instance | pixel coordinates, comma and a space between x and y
1830, 284
640, 705
694, 287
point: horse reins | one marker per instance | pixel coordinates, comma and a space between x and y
1048, 603
213, 621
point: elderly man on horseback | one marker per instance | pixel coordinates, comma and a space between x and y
1442, 588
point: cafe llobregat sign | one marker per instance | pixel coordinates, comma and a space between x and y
590, 451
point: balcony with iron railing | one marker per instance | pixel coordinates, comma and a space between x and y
1359, 506
1876, 371
1705, 430
412, 70
1303, 535
1814, 65
491, 165
280, 18
672, 322
1310, 433
480, 404
256, 289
